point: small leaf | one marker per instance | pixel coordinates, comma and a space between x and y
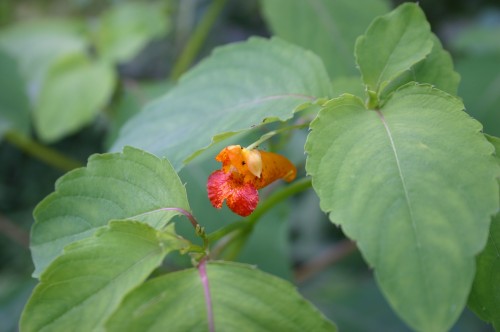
392, 44
415, 185
14, 103
243, 299
126, 28
324, 27
46, 41
73, 91
240, 86
436, 69
132, 185
83, 286
484, 298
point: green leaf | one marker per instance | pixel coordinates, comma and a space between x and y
36, 44
243, 299
132, 185
14, 104
479, 89
480, 38
415, 185
83, 286
393, 44
238, 87
324, 27
484, 298
73, 91
126, 28
436, 69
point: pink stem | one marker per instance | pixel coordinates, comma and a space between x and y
208, 299
184, 212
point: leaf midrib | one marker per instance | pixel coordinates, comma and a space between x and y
421, 262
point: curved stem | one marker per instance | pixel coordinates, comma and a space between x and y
200, 231
278, 196
197, 39
41, 152
270, 134
245, 226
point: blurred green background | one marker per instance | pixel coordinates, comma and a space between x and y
104, 60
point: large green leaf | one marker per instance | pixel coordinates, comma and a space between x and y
74, 90
83, 286
484, 298
14, 103
328, 28
243, 299
238, 87
392, 44
415, 185
132, 184
127, 27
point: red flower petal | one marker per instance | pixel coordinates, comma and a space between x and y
242, 198
218, 187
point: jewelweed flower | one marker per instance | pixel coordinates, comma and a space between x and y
244, 172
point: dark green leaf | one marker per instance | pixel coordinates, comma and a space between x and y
325, 27
14, 104
479, 89
484, 298
126, 28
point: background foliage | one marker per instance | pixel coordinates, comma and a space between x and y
135, 51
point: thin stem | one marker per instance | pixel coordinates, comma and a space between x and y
191, 218
244, 227
206, 291
270, 134
41, 152
200, 231
197, 39
278, 196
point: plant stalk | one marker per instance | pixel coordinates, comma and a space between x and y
41, 152
197, 39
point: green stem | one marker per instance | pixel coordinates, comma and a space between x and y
197, 39
278, 196
270, 134
244, 227
41, 152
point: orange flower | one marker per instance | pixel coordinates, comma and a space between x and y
243, 173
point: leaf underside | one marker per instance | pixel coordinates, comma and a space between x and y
238, 87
